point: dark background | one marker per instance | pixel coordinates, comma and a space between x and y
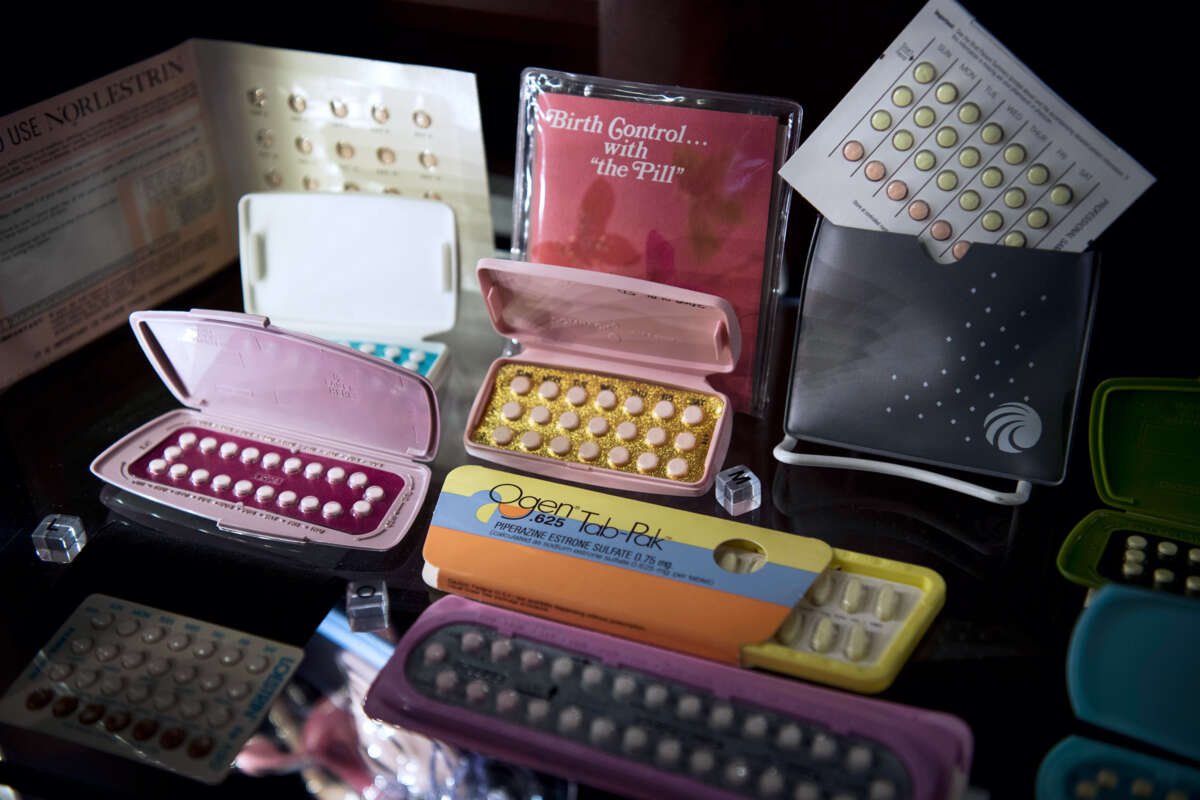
995, 656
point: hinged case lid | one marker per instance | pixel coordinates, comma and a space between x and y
350, 266
612, 316
1144, 438
241, 367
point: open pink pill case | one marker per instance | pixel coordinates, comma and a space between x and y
285, 436
610, 387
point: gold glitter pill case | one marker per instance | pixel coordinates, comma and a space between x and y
610, 387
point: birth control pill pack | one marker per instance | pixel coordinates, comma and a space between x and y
1142, 440
1084, 768
950, 138
375, 273
151, 685
286, 436
636, 719
857, 624
609, 388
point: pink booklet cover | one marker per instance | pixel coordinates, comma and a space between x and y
674, 195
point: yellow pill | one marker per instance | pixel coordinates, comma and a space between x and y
991, 133
881, 120
924, 117
947, 180
1014, 154
991, 177
1015, 239
1038, 174
992, 221
947, 137
924, 161
969, 157
902, 96
946, 93
1014, 198
902, 140
969, 200
924, 72
1037, 218
968, 113
1061, 195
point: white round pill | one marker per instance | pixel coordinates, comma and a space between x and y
208, 444
606, 400
158, 466
569, 719
531, 440
357, 480
507, 701
677, 467
243, 488
634, 739
601, 730
511, 410
360, 509
634, 405
701, 761
693, 415
770, 782
172, 453
229, 450
647, 462
520, 385
561, 445
250, 455
471, 641
597, 426
373, 493
179, 471
623, 686
367, 347
548, 390
668, 751
221, 483
313, 470
265, 494
1167, 549
331, 509
626, 431
292, 466
618, 456
477, 691
789, 736
736, 772
592, 676
445, 681
589, 451
664, 409
561, 667
688, 706
568, 421
288, 498
540, 415
685, 442
755, 726
858, 759
656, 694
391, 353
412, 366
502, 435
417, 355
335, 475
656, 436
200, 477
501, 649
272, 460
309, 504
721, 716
187, 440
576, 395
531, 659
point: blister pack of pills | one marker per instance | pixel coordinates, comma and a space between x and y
609, 387
294, 438
151, 685
857, 624
950, 138
1083, 769
357, 287
635, 719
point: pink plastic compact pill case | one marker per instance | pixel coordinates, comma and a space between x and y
609, 388
286, 436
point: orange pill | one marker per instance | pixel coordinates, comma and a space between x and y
918, 210
875, 170
853, 151
897, 190
940, 230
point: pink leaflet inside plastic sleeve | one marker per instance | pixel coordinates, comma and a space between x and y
674, 195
